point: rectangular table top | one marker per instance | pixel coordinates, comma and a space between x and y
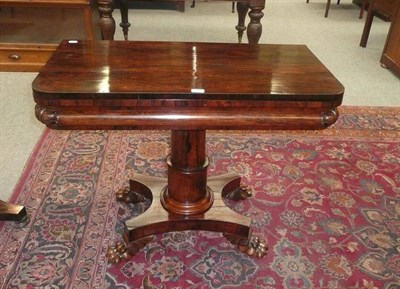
120, 76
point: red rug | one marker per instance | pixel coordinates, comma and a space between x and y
327, 202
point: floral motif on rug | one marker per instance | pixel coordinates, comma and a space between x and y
327, 202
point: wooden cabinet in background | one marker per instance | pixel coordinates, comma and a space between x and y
391, 53
30, 30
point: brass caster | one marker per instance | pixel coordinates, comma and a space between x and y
128, 196
118, 253
252, 247
239, 194
245, 192
124, 250
256, 247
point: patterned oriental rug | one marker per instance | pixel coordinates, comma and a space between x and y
327, 202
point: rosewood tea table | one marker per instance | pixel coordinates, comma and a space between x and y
187, 88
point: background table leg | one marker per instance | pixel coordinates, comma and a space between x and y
254, 29
242, 9
107, 22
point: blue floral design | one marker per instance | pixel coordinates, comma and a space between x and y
290, 264
220, 268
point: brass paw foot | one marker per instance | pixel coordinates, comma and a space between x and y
123, 251
129, 196
119, 252
241, 193
257, 247
252, 247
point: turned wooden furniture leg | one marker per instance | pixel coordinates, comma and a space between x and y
11, 212
186, 200
242, 9
123, 7
107, 22
254, 29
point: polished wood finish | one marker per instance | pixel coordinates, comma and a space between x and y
391, 53
187, 88
385, 7
269, 83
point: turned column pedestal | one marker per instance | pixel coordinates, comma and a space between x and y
186, 200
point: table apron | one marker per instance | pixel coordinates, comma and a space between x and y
63, 118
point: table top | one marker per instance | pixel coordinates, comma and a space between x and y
200, 70
171, 85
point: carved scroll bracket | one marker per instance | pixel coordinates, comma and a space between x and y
48, 117
329, 117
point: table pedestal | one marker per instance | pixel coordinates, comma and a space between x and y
186, 200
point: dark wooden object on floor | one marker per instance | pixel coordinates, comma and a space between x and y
11, 212
391, 53
385, 7
180, 87
254, 27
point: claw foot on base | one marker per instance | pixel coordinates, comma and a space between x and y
129, 196
254, 246
239, 194
123, 251
118, 253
